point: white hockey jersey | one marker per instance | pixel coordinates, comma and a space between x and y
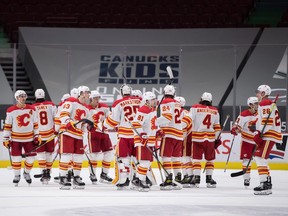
57, 120
145, 121
206, 124
123, 110
170, 119
272, 130
46, 112
243, 121
98, 115
21, 124
74, 110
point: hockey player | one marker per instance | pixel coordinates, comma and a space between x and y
171, 146
123, 110
144, 125
98, 139
265, 138
187, 144
21, 132
205, 131
71, 141
241, 125
46, 111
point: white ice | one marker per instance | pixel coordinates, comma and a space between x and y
229, 198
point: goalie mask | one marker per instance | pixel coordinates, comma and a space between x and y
181, 100
206, 96
125, 90
169, 90
39, 93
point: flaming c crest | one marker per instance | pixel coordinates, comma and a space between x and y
79, 113
97, 117
153, 123
22, 120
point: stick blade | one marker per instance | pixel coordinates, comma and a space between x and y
170, 72
236, 174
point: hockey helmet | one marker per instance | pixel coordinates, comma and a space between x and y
252, 100
65, 97
19, 93
39, 93
137, 93
83, 89
264, 88
125, 90
148, 96
206, 96
169, 90
94, 94
180, 100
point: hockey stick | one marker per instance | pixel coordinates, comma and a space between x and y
89, 161
171, 77
159, 166
242, 172
223, 126
9, 167
229, 153
87, 121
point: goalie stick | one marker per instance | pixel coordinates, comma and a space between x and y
242, 172
87, 121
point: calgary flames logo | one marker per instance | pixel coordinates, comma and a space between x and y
98, 117
23, 120
153, 123
79, 114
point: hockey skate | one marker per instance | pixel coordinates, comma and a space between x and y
123, 186
195, 181
247, 183
77, 183
265, 188
142, 186
93, 179
104, 178
210, 182
57, 179
135, 183
16, 180
45, 177
148, 182
167, 184
178, 177
64, 184
27, 177
186, 181
70, 175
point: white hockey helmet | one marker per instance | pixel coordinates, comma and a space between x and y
148, 96
125, 90
94, 94
206, 96
65, 97
180, 100
39, 93
83, 89
74, 92
252, 100
169, 90
20, 93
137, 93
264, 88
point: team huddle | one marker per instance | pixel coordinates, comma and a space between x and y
185, 137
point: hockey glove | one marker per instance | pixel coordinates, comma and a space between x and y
144, 138
160, 134
37, 139
217, 143
70, 126
252, 126
257, 138
6, 142
234, 131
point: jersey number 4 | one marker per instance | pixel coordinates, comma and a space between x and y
207, 121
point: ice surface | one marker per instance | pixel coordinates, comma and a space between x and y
229, 198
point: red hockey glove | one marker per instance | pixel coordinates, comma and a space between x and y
144, 138
252, 126
37, 139
70, 126
6, 142
257, 138
160, 134
234, 131
217, 143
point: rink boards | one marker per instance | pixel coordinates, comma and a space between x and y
278, 157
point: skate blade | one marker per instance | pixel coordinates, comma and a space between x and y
94, 183
195, 186
166, 188
262, 193
65, 188
16, 184
211, 186
123, 188
105, 181
133, 187
144, 189
76, 187
176, 188
187, 186
45, 182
